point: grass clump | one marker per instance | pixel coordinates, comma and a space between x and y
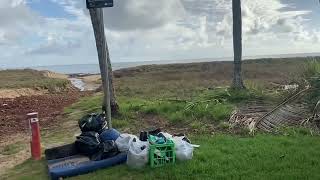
312, 68
311, 73
12, 149
11, 79
233, 96
179, 111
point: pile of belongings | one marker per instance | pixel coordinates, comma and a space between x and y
94, 149
137, 149
96, 141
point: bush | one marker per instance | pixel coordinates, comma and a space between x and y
312, 69
312, 74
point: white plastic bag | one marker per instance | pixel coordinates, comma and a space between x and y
184, 150
138, 154
123, 142
167, 135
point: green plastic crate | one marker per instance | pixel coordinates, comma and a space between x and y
162, 154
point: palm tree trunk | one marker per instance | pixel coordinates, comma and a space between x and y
237, 44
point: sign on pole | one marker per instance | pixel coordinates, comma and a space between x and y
96, 14
99, 3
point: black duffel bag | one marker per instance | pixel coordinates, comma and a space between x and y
93, 122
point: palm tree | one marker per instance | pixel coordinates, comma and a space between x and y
237, 44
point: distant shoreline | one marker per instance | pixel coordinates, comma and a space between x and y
79, 75
81, 70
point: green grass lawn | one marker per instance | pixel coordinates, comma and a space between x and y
220, 157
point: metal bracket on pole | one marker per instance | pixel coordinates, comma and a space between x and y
102, 48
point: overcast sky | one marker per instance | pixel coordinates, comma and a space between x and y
51, 32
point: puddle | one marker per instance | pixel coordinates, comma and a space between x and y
78, 83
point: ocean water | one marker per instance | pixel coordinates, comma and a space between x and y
94, 68
81, 68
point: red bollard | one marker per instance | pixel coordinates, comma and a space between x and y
35, 142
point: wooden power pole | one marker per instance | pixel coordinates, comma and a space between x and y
96, 14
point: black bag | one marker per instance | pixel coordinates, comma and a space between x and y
88, 143
92, 122
107, 149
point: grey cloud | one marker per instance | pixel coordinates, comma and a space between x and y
143, 14
19, 15
15, 21
54, 48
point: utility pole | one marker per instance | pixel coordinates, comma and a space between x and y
96, 13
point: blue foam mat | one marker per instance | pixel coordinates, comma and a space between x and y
77, 165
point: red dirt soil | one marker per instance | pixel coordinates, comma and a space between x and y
13, 111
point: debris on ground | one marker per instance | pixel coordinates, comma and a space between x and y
291, 112
247, 115
98, 147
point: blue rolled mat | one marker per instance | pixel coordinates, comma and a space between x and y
77, 165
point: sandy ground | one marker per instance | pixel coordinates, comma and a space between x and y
92, 82
55, 75
14, 93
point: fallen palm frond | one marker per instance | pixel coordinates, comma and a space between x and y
316, 110
315, 118
292, 111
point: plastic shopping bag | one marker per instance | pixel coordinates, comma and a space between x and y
184, 150
123, 142
138, 154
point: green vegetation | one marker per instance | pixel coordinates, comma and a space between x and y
211, 106
11, 149
311, 73
219, 157
312, 68
185, 81
28, 78
193, 98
